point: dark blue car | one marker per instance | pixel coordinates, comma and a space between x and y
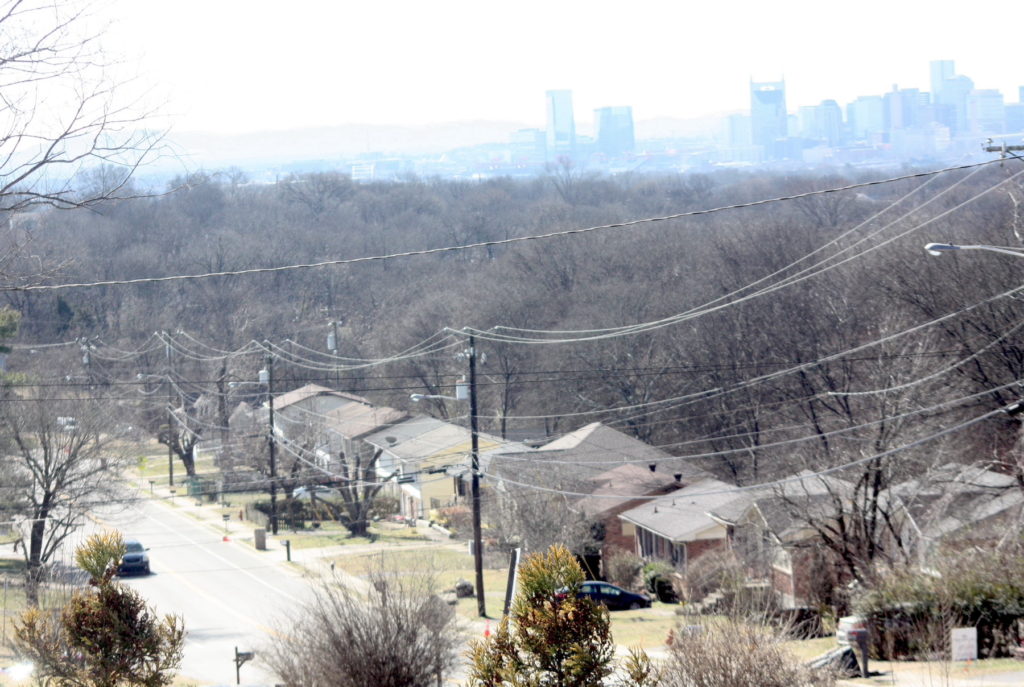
614, 598
135, 560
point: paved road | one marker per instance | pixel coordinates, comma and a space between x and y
228, 594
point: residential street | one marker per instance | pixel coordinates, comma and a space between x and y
228, 594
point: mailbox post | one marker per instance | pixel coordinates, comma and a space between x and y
240, 658
859, 638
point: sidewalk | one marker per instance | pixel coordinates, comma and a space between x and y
310, 561
916, 674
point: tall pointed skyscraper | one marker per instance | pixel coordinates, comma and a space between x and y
561, 125
940, 71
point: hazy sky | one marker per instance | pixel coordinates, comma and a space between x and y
249, 65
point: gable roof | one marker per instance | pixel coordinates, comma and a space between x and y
595, 447
681, 515
956, 498
288, 398
354, 420
622, 484
394, 435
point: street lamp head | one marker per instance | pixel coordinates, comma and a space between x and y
940, 248
416, 398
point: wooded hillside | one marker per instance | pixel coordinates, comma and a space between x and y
810, 331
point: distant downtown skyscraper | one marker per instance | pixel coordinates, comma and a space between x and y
561, 129
768, 118
940, 71
614, 130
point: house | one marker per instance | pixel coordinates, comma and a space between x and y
678, 527
304, 410
598, 446
966, 504
346, 425
602, 472
769, 529
427, 456
617, 490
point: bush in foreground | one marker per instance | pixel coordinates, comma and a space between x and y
398, 633
736, 654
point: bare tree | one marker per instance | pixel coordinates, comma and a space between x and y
59, 466
62, 112
399, 634
359, 488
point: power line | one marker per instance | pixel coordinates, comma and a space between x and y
485, 244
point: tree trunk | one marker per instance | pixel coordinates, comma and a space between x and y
34, 558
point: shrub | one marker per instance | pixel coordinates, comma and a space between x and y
550, 637
623, 568
383, 506
658, 581
399, 632
736, 654
458, 519
910, 613
715, 571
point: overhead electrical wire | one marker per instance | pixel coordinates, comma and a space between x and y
787, 268
485, 244
539, 457
762, 485
716, 305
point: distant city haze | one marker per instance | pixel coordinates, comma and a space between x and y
234, 66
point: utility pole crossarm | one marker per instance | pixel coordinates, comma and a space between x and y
1003, 148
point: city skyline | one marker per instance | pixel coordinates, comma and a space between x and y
235, 67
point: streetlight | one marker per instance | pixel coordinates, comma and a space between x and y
461, 394
940, 248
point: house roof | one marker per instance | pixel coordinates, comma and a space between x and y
593, 447
389, 437
310, 390
423, 439
599, 443
960, 498
354, 420
681, 515
620, 485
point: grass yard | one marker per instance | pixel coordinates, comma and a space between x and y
646, 628
447, 564
331, 533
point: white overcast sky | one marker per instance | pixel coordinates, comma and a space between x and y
250, 65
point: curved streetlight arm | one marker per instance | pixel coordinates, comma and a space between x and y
416, 398
940, 248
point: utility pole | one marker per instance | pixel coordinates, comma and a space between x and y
1002, 148
170, 419
267, 376
478, 552
332, 346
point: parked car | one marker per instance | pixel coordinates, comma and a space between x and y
614, 598
135, 559
320, 491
